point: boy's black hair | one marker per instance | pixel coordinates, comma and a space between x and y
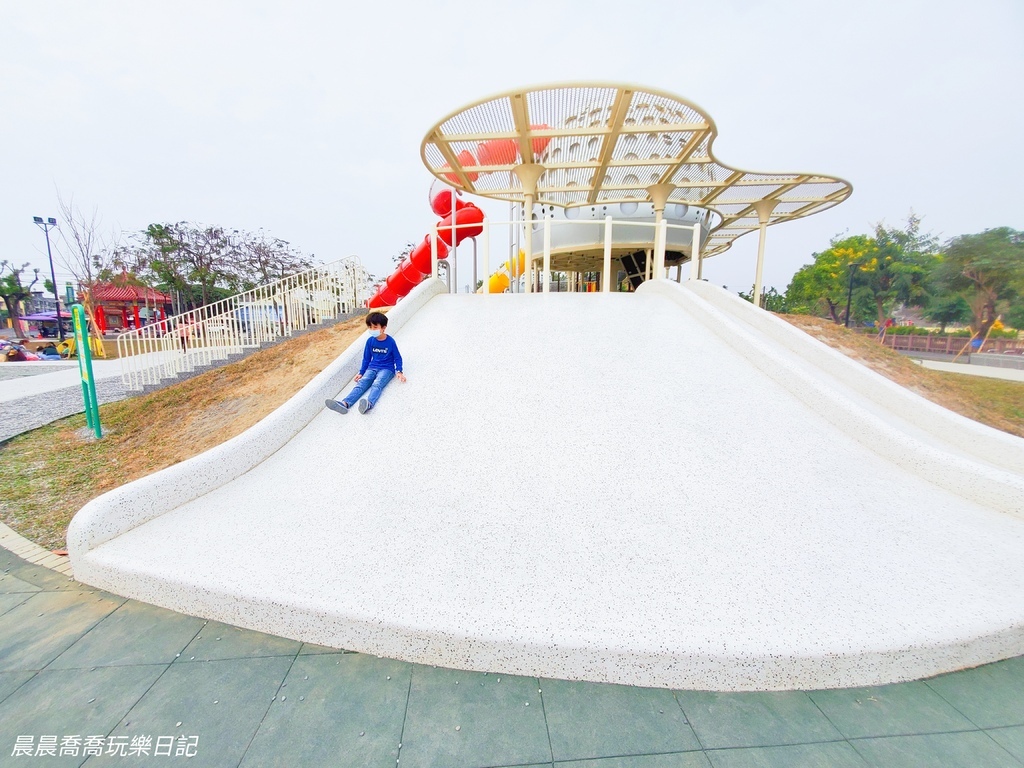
377, 318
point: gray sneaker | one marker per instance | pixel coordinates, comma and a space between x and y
334, 405
364, 405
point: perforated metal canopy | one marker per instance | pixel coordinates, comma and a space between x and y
606, 143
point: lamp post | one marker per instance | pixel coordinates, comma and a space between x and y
47, 225
849, 292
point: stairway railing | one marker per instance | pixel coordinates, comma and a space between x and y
247, 320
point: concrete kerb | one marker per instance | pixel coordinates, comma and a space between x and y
140, 501
971, 478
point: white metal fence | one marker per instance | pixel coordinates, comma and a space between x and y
215, 331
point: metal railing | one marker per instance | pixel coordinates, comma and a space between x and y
213, 332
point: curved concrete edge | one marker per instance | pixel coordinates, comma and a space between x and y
664, 667
980, 440
974, 480
145, 499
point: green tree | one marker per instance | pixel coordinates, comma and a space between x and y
262, 259
771, 299
897, 266
820, 288
950, 308
186, 253
14, 291
987, 269
884, 269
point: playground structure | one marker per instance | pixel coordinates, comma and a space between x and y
686, 492
615, 179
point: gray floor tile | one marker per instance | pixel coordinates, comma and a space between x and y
220, 702
9, 683
973, 749
889, 710
9, 560
991, 696
136, 633
1011, 739
336, 710
220, 641
46, 579
495, 725
9, 583
587, 720
12, 600
71, 702
34, 633
833, 754
755, 719
678, 760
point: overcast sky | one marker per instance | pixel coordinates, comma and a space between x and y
306, 118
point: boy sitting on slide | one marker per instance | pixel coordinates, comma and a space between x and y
381, 363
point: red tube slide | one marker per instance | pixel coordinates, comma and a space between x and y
469, 222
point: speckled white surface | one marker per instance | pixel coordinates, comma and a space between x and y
602, 487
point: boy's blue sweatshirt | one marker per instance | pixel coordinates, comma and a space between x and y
381, 355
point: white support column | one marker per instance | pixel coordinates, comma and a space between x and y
659, 194
695, 252
764, 210
648, 261
487, 257
547, 254
453, 253
659, 258
528, 245
606, 275
528, 175
433, 249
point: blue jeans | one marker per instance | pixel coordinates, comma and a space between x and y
373, 380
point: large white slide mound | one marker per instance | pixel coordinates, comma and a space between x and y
666, 488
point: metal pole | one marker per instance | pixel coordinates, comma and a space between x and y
528, 243
453, 269
53, 279
487, 256
695, 252
606, 281
764, 210
760, 263
849, 295
433, 250
662, 238
547, 254
473, 289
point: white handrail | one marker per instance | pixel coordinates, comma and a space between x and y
182, 342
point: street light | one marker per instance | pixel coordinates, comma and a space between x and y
47, 226
849, 292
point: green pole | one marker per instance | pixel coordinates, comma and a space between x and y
92, 409
83, 373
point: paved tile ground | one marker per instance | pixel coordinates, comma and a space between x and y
77, 662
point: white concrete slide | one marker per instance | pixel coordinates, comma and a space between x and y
660, 488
